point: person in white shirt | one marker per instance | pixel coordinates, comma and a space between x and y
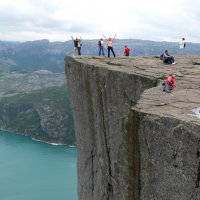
182, 44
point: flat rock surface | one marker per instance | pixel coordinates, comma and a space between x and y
180, 102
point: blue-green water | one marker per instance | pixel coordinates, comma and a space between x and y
31, 170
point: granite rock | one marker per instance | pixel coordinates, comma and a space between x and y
135, 142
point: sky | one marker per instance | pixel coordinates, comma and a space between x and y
58, 20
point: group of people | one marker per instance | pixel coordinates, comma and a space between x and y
169, 82
110, 46
166, 57
77, 46
169, 59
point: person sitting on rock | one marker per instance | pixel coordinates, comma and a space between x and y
167, 58
169, 83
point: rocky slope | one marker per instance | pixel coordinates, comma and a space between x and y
36, 105
134, 141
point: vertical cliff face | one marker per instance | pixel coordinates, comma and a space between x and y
169, 157
124, 151
101, 102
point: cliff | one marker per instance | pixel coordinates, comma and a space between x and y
37, 105
134, 141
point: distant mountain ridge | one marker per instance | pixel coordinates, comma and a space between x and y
43, 54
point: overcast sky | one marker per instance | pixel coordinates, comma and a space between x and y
57, 20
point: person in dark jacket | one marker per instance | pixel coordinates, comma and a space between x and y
167, 58
75, 45
79, 46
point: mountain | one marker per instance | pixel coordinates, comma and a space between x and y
33, 96
31, 56
37, 105
42, 54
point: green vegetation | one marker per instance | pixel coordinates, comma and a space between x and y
4, 67
38, 113
28, 121
35, 97
3, 73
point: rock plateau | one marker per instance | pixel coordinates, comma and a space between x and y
136, 142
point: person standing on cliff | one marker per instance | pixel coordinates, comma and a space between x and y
110, 45
75, 46
182, 45
79, 46
101, 47
169, 83
126, 50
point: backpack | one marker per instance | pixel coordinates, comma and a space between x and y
75, 43
99, 42
161, 56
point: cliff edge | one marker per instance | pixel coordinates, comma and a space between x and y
134, 141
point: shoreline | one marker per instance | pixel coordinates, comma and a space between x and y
53, 143
37, 140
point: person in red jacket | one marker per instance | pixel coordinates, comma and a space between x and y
126, 50
169, 83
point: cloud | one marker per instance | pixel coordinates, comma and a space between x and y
59, 19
